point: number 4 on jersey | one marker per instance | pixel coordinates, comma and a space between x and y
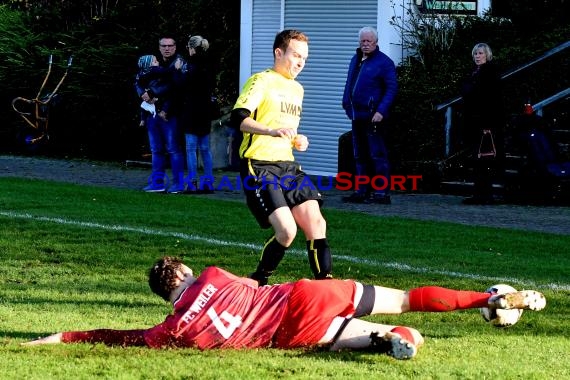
233, 322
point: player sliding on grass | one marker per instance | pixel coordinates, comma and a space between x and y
221, 310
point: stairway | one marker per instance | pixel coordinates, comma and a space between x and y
521, 182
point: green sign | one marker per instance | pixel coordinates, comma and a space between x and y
435, 6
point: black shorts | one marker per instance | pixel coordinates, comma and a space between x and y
270, 185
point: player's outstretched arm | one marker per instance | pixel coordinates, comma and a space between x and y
52, 339
106, 336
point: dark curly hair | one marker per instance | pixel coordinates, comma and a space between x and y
162, 277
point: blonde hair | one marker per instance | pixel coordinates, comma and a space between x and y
485, 48
198, 41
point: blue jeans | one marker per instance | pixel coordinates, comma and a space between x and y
164, 138
201, 143
371, 156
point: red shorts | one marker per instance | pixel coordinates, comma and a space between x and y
315, 312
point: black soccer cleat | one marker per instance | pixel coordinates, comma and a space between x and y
392, 344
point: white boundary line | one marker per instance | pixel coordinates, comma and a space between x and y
357, 260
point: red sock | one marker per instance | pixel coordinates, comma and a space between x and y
435, 298
405, 333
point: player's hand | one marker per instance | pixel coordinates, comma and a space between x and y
162, 115
52, 339
287, 133
301, 143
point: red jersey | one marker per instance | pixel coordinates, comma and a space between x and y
221, 310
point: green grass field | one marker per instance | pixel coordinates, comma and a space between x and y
76, 257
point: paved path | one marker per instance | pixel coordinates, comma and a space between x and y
417, 206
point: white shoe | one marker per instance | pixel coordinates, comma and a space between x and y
393, 345
524, 299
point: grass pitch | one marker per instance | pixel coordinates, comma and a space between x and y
76, 257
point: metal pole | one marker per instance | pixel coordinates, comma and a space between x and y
448, 114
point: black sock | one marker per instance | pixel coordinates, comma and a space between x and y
320, 258
271, 256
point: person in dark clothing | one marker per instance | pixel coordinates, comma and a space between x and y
370, 89
163, 129
197, 120
483, 123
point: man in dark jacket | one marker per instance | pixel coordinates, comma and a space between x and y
370, 89
163, 130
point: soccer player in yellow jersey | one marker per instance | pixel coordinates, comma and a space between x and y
278, 193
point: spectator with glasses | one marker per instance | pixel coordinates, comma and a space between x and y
163, 130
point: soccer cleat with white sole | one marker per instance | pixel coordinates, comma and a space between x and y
393, 345
524, 299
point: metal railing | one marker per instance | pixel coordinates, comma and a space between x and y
448, 106
543, 103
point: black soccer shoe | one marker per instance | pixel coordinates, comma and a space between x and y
392, 344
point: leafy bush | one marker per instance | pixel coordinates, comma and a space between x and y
98, 114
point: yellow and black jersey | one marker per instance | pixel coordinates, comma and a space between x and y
276, 102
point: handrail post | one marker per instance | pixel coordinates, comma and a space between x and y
448, 116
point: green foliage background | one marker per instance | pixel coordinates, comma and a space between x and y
98, 114
97, 117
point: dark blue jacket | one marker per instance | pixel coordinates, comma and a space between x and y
169, 92
371, 86
156, 81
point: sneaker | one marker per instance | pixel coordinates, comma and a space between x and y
155, 188
191, 188
175, 189
524, 299
355, 198
393, 345
207, 189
